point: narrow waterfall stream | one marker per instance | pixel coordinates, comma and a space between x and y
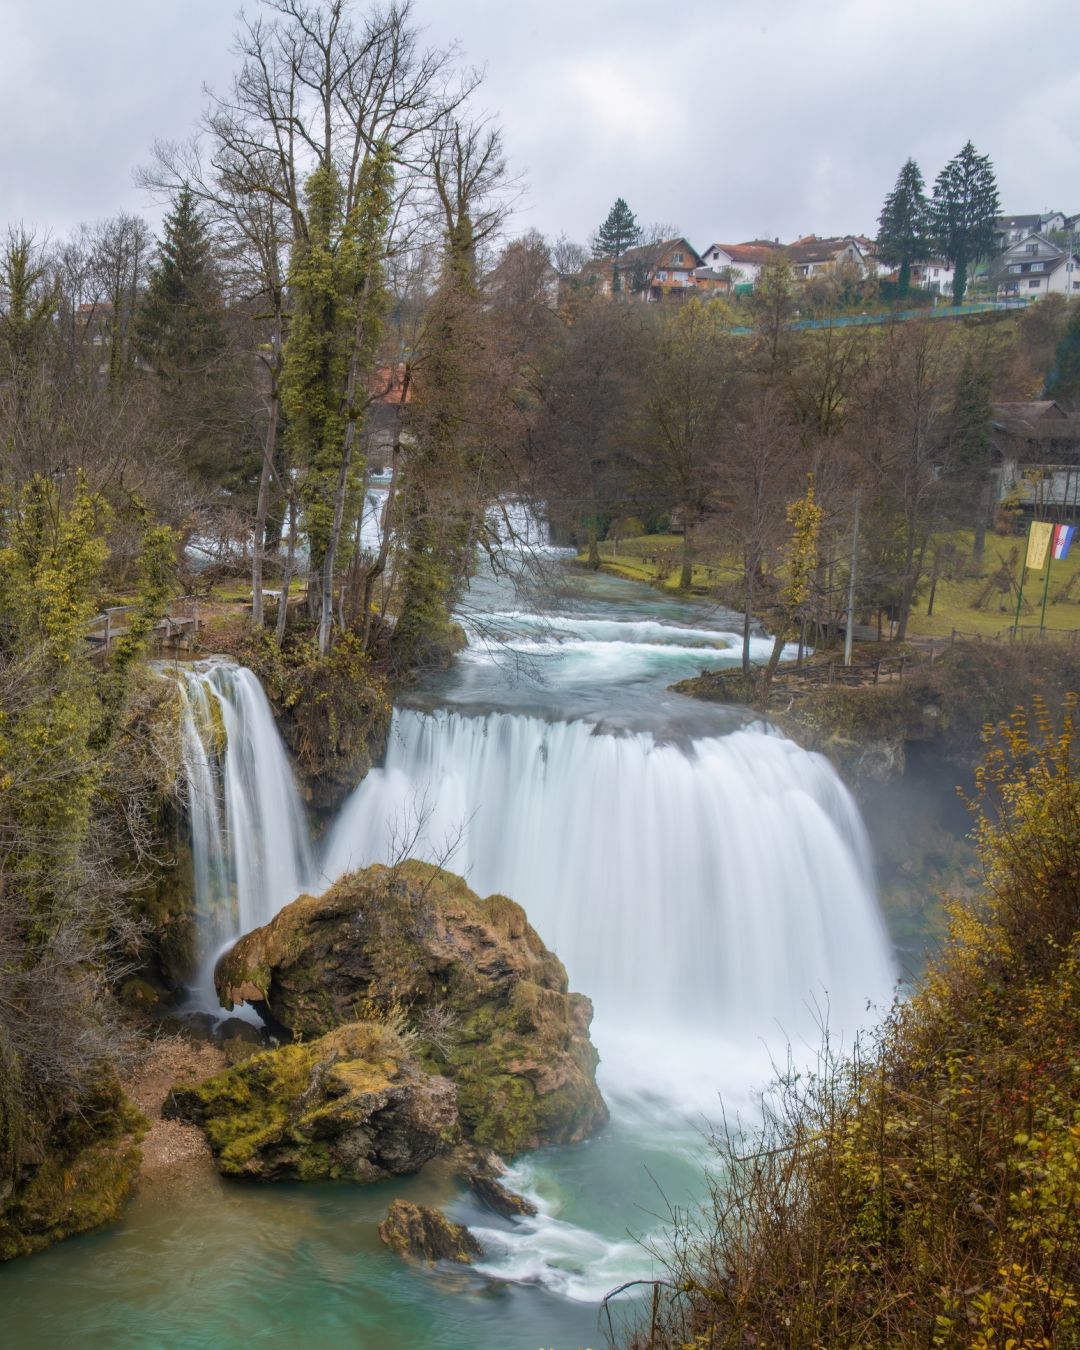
250, 837
706, 882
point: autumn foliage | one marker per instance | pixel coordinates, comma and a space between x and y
925, 1191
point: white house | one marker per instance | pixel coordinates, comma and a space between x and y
742, 262
936, 275
1012, 229
1033, 267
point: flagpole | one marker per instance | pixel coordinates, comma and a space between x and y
1023, 573
1046, 586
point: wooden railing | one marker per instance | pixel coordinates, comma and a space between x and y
179, 623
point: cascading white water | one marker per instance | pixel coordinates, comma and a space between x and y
250, 837
718, 888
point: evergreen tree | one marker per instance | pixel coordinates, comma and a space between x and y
903, 226
969, 446
179, 324
619, 232
962, 213
1063, 382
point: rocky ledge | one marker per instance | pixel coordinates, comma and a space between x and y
468, 979
352, 1105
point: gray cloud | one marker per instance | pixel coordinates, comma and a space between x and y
728, 120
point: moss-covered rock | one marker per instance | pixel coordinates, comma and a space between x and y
73, 1175
352, 1105
417, 1231
487, 999
333, 712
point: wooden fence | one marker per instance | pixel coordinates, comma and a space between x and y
180, 625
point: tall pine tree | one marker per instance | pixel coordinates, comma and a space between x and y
179, 326
903, 226
962, 213
619, 232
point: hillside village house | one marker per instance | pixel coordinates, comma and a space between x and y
741, 263
1033, 267
653, 271
1012, 229
811, 256
1039, 448
935, 275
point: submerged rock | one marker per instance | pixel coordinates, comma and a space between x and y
416, 1230
487, 1000
352, 1105
495, 1196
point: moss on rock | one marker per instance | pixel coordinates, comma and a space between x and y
417, 1231
351, 1105
73, 1177
333, 712
487, 999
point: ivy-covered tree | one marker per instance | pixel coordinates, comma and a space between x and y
339, 297
903, 226
962, 212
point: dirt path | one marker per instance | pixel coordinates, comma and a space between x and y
171, 1150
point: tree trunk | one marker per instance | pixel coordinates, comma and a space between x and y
982, 519
266, 474
594, 545
379, 566
769, 673
686, 572
747, 619
286, 578
903, 284
959, 288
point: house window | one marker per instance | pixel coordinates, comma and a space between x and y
676, 258
1037, 267
1014, 267
1034, 285
663, 276
1032, 248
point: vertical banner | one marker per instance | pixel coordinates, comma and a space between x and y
1062, 542
1038, 544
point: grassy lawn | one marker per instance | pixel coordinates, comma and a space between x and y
656, 558
954, 601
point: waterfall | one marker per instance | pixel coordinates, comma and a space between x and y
718, 888
250, 838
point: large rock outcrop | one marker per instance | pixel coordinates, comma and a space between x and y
66, 1176
352, 1105
487, 1000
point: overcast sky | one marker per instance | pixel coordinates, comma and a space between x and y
728, 120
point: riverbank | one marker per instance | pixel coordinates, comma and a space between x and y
973, 602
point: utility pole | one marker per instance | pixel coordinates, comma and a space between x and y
1023, 574
851, 584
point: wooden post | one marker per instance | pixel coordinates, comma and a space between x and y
108, 627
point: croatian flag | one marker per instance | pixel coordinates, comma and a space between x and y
1063, 537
